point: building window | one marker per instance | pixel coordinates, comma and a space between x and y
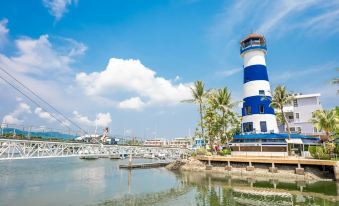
248, 110
315, 129
262, 92
298, 129
247, 126
295, 103
261, 109
263, 126
297, 115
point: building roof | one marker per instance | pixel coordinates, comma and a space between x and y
253, 35
272, 136
306, 95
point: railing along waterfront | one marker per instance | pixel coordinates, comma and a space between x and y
29, 149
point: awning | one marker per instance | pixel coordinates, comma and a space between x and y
294, 141
273, 136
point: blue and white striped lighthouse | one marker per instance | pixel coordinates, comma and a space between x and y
257, 115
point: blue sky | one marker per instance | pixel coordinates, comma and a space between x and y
127, 64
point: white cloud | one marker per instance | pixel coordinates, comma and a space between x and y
43, 115
84, 120
132, 103
38, 57
278, 18
229, 72
325, 22
131, 76
15, 116
281, 11
177, 78
58, 8
3, 31
297, 73
101, 120
42, 66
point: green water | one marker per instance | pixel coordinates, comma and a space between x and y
71, 181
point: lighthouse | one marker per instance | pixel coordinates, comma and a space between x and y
257, 115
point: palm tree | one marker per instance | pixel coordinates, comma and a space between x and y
327, 121
223, 102
280, 99
198, 93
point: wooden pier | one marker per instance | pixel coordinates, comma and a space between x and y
89, 157
144, 165
276, 160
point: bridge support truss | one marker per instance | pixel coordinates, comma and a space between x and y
27, 149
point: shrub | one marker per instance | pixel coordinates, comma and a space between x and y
318, 152
313, 151
336, 150
330, 147
224, 152
201, 151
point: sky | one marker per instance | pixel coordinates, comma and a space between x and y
128, 65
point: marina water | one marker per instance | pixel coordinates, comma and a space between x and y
72, 181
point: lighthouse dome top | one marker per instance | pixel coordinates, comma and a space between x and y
253, 42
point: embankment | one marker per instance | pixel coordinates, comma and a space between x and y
285, 172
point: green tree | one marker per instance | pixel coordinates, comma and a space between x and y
327, 121
211, 119
281, 98
337, 130
198, 94
218, 114
223, 103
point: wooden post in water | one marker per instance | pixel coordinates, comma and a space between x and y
130, 160
228, 167
209, 166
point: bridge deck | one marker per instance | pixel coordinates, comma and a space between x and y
275, 160
28, 149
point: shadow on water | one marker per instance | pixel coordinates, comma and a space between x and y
217, 189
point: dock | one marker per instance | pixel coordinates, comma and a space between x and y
144, 165
89, 157
270, 160
274, 161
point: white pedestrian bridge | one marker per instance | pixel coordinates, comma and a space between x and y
28, 149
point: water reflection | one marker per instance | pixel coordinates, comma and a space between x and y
217, 190
77, 182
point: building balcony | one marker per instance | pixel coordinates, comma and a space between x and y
252, 45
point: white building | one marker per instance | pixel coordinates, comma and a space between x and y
155, 143
177, 142
299, 114
180, 142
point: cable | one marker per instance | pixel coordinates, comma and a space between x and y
37, 104
32, 100
60, 113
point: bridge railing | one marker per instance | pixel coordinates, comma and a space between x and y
28, 149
